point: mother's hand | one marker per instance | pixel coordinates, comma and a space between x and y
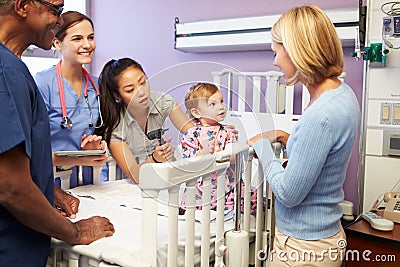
272, 136
266, 135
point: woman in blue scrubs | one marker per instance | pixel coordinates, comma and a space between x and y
71, 95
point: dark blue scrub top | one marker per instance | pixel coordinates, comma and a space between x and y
23, 119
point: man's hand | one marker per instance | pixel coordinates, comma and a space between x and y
92, 229
65, 203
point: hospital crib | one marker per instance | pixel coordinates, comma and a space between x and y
153, 239
258, 101
188, 241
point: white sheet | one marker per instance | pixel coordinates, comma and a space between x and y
120, 201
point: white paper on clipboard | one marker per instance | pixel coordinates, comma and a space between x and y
80, 153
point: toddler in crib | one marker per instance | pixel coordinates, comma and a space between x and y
205, 105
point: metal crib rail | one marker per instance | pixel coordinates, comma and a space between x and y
168, 176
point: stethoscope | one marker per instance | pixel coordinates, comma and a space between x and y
66, 123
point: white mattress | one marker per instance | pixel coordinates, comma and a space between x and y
120, 201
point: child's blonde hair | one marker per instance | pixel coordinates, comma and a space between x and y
196, 92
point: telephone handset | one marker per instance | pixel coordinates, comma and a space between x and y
392, 209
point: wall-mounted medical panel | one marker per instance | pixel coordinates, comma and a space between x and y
380, 146
251, 33
374, 142
393, 57
396, 114
375, 31
376, 4
383, 114
374, 113
384, 83
383, 142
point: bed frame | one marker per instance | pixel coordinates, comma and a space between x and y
258, 101
169, 177
270, 106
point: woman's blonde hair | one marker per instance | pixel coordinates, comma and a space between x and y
312, 43
197, 92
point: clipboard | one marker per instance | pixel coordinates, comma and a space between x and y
80, 153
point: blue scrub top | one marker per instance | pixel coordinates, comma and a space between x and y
24, 119
77, 109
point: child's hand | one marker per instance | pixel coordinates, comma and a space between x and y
210, 149
216, 147
205, 151
234, 130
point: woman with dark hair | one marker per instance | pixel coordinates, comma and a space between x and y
72, 96
130, 111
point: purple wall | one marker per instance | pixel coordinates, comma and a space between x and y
144, 30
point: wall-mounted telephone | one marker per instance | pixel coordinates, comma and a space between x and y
392, 209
